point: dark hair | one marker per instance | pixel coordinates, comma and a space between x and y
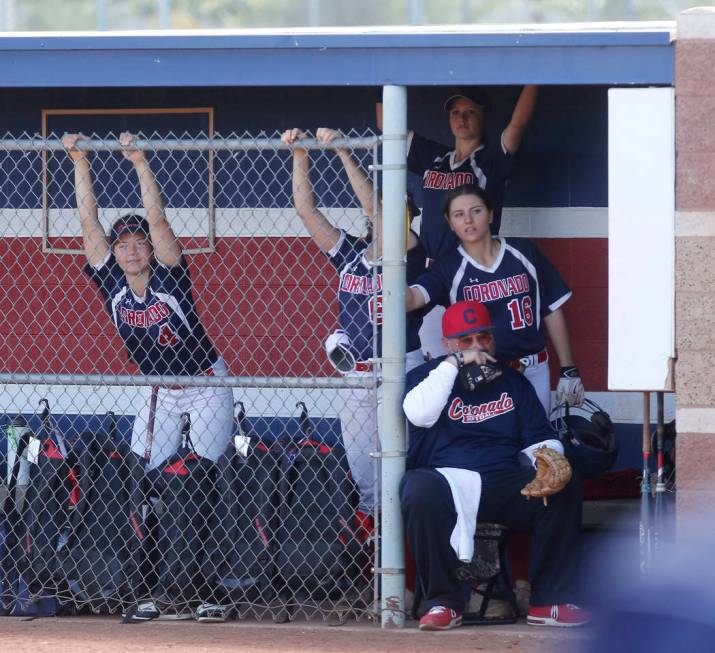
467, 189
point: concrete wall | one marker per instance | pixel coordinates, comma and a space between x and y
694, 269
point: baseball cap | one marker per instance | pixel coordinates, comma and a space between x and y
128, 224
465, 317
474, 93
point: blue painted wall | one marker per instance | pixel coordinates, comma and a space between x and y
563, 161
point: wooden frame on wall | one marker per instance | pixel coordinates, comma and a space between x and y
208, 112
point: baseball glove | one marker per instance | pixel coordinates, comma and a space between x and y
475, 374
553, 472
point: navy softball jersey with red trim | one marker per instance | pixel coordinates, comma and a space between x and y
487, 167
519, 290
350, 256
161, 331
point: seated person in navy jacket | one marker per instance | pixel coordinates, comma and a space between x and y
470, 448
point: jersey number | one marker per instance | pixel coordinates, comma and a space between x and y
522, 314
167, 338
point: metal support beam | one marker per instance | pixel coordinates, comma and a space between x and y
392, 425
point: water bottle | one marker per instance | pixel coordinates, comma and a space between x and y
16, 431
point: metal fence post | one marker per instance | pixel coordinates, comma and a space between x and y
393, 353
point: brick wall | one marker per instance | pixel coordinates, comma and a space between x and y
694, 268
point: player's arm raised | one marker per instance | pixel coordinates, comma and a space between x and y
167, 248
520, 118
359, 181
96, 247
324, 234
361, 185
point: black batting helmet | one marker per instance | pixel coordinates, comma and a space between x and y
589, 442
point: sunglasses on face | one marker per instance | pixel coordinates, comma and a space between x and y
481, 339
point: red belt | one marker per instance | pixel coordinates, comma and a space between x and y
208, 372
361, 366
526, 361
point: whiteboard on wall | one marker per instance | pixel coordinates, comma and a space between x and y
641, 238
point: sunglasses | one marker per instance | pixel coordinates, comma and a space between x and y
481, 339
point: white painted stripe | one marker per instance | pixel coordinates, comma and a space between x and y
696, 23
696, 420
88, 400
627, 407
623, 407
562, 222
600, 27
534, 222
694, 223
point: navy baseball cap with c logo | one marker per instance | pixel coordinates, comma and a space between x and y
128, 224
465, 317
474, 94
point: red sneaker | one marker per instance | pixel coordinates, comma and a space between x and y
565, 615
441, 618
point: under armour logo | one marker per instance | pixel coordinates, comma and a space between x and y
473, 280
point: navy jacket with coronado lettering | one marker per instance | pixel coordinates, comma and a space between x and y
483, 430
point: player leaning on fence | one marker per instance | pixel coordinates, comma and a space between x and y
518, 284
145, 282
471, 421
350, 349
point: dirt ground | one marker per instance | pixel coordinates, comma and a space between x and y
106, 635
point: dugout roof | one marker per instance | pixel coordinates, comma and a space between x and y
604, 53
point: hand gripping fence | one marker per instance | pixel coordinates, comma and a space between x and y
148, 283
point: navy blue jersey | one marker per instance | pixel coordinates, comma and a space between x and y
487, 167
483, 430
355, 293
519, 290
161, 331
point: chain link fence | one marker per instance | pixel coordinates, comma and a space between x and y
175, 438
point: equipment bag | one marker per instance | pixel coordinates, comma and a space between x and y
186, 489
238, 564
44, 526
98, 559
319, 553
33, 534
10, 534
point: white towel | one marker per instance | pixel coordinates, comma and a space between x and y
466, 487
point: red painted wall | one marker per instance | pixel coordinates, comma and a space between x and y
267, 304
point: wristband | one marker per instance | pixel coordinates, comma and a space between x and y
569, 372
459, 358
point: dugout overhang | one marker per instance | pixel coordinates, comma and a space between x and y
638, 53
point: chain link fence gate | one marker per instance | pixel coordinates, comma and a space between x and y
136, 489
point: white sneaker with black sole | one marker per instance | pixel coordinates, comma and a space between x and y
183, 614
148, 611
142, 611
211, 613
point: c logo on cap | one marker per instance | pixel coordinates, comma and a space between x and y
470, 316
